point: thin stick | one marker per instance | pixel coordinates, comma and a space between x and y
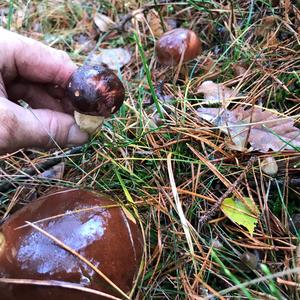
180, 211
143, 10
208, 215
43, 166
64, 246
257, 281
55, 283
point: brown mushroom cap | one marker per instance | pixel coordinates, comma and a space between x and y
96, 91
175, 43
101, 234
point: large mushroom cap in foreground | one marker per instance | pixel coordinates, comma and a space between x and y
96, 91
91, 225
176, 44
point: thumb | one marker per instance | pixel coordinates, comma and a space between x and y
42, 128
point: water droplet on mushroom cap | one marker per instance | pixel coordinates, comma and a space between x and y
176, 43
101, 234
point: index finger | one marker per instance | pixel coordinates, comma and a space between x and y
32, 60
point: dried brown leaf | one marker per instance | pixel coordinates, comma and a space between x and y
272, 39
56, 172
216, 92
156, 25
266, 26
264, 130
114, 58
103, 22
238, 69
83, 43
210, 69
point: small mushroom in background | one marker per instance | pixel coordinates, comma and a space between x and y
177, 46
249, 261
269, 166
95, 92
92, 225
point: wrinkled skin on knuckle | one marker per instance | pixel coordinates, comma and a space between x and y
62, 76
8, 51
56, 133
52, 130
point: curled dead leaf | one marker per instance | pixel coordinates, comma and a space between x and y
56, 172
239, 69
156, 25
267, 29
83, 43
114, 58
264, 130
210, 69
267, 25
216, 92
103, 22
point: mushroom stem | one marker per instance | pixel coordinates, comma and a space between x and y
88, 123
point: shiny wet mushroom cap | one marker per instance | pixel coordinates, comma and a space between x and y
177, 45
90, 224
94, 91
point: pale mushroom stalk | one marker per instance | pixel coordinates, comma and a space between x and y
88, 123
95, 93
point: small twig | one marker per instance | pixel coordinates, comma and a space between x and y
28, 172
298, 259
56, 283
121, 26
208, 215
161, 18
159, 91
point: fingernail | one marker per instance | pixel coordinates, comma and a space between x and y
76, 136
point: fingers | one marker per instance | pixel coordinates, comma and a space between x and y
2, 88
40, 96
42, 128
32, 60
35, 95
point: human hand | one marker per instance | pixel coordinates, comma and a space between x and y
37, 74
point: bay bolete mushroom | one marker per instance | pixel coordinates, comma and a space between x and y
92, 225
177, 46
95, 92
